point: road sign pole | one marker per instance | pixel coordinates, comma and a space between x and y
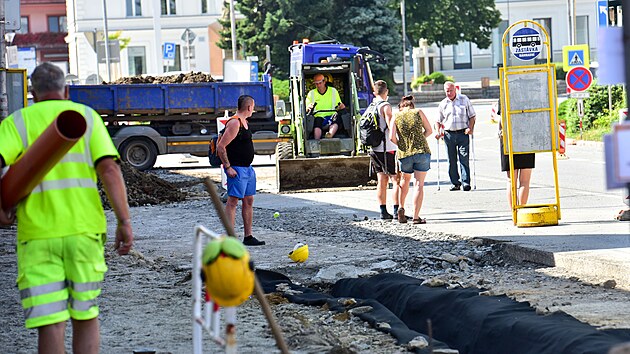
188, 48
580, 109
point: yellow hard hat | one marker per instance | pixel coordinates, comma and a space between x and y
299, 253
229, 273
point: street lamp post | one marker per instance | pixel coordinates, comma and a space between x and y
404, 44
233, 29
107, 62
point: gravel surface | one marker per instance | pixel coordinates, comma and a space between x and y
146, 300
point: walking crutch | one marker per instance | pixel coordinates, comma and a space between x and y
474, 157
440, 129
438, 161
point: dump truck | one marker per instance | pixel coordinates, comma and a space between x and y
147, 120
303, 162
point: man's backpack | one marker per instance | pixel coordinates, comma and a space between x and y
370, 131
213, 158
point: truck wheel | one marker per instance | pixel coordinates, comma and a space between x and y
284, 151
139, 152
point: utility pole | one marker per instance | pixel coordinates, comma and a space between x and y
404, 44
4, 105
106, 32
233, 29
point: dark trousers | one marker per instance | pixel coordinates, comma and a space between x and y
457, 146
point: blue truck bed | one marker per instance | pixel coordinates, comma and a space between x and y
172, 99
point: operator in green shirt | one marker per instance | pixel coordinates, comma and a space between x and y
324, 101
62, 228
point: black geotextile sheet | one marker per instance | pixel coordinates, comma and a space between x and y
460, 318
306, 296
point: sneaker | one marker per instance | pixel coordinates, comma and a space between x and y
454, 188
401, 216
328, 136
252, 241
386, 216
467, 187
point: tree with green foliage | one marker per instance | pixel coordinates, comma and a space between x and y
278, 23
370, 24
447, 22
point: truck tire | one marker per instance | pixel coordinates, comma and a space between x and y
284, 151
140, 153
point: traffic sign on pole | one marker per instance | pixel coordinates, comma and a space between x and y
168, 54
602, 13
579, 79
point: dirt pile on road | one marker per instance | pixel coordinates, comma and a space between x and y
145, 189
181, 78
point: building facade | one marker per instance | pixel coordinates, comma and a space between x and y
553, 15
43, 27
143, 28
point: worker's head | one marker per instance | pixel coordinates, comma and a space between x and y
406, 102
380, 88
449, 89
48, 82
246, 105
320, 82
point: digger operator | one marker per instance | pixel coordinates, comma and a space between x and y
324, 101
61, 227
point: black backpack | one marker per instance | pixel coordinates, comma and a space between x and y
213, 158
370, 131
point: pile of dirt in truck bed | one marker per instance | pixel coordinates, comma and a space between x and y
187, 78
145, 189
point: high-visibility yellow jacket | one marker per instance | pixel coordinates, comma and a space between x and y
326, 102
67, 201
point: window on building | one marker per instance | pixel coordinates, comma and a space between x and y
134, 8
57, 24
546, 24
23, 25
137, 60
581, 30
177, 62
168, 7
497, 36
204, 6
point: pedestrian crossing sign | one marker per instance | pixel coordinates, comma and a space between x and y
575, 55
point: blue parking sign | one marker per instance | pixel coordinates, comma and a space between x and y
169, 51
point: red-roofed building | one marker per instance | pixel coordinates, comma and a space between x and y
44, 27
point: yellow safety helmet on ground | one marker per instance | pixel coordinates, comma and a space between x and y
299, 253
229, 273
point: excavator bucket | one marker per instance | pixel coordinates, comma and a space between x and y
322, 172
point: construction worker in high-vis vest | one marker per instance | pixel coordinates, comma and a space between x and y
61, 225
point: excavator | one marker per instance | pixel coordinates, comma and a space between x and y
302, 162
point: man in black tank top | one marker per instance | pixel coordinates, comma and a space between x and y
236, 150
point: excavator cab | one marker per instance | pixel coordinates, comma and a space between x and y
303, 162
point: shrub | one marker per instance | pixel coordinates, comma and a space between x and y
424, 79
596, 113
437, 77
281, 88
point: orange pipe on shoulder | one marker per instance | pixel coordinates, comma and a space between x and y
39, 158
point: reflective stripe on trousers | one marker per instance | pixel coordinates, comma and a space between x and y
58, 306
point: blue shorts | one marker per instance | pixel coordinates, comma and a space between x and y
244, 184
417, 162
